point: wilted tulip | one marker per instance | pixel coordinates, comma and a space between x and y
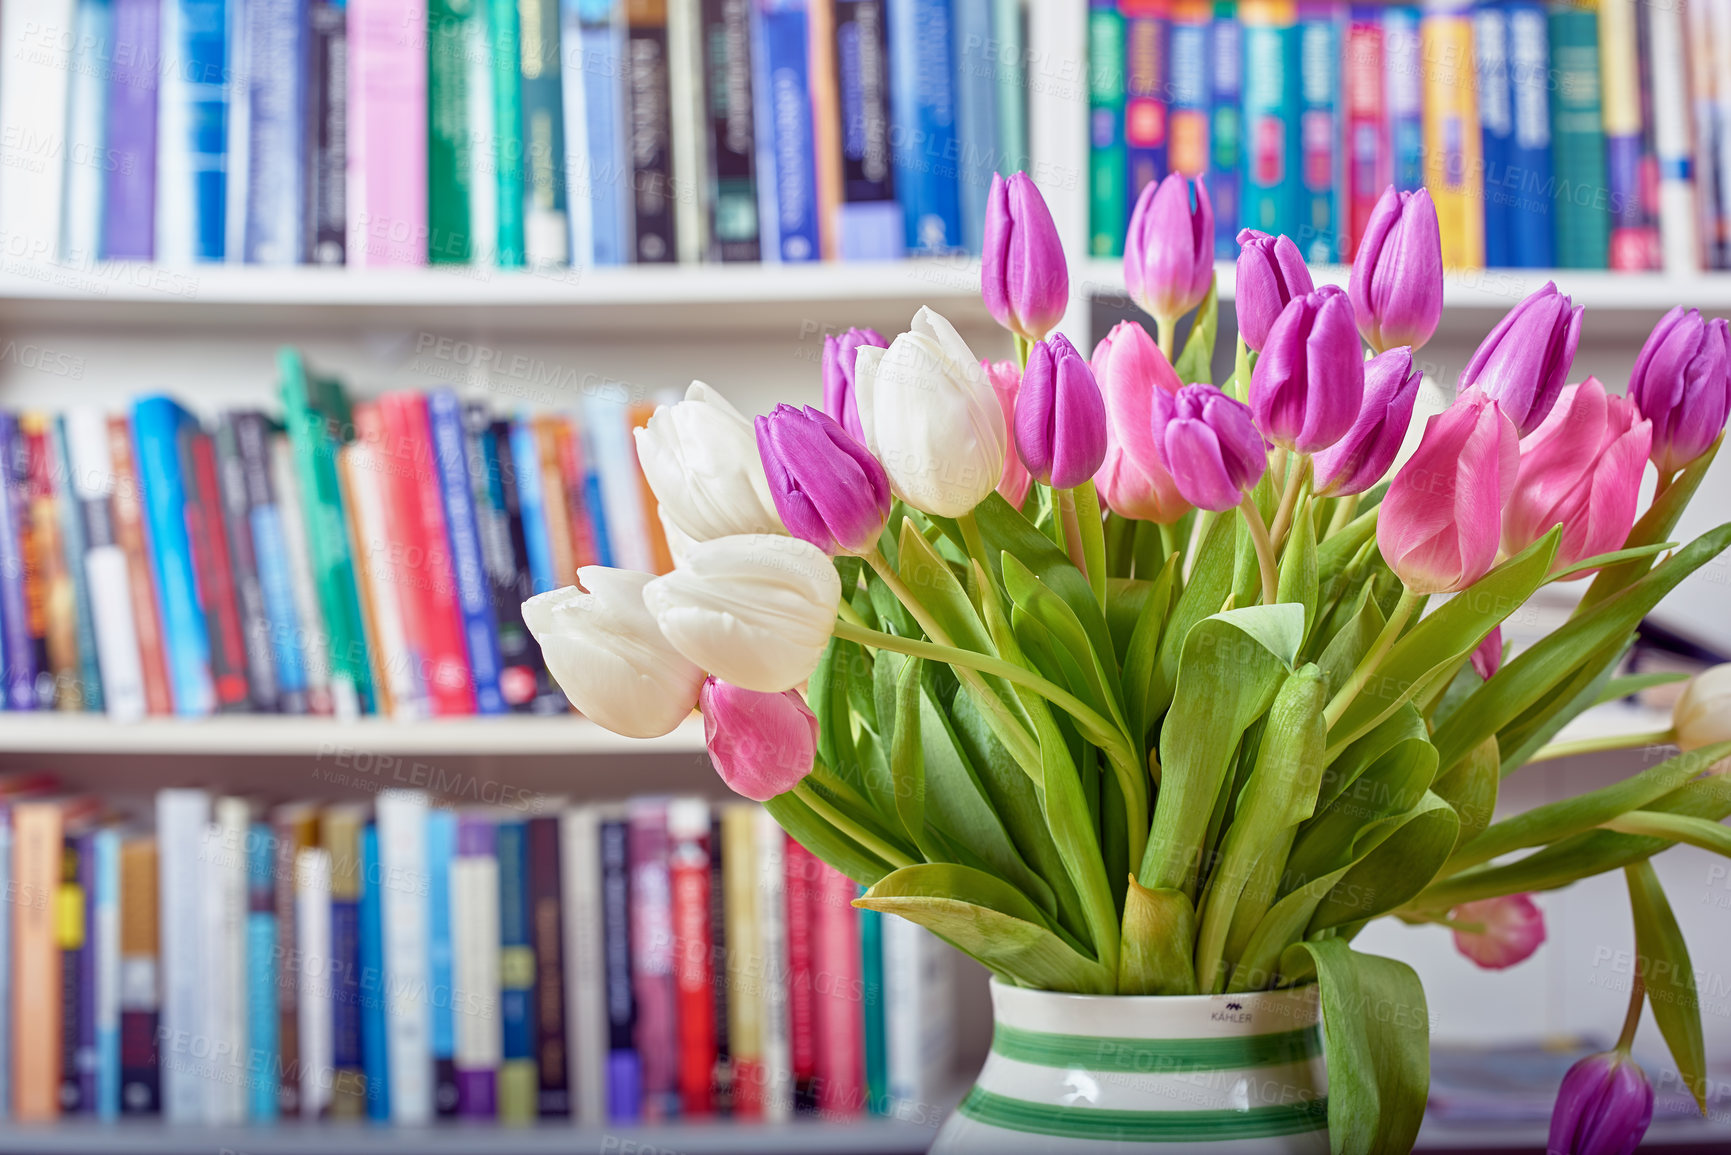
1396, 283
1060, 415
1603, 1107
761, 744
1271, 272
1308, 384
1023, 276
1682, 384
1209, 444
1006, 377
828, 488
1525, 360
1169, 250
838, 370
699, 457
1513, 927
1357, 461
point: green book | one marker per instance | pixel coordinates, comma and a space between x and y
1109, 163
507, 130
1010, 30
877, 1063
1582, 218
315, 412
448, 30
546, 238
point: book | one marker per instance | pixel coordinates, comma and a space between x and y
475, 967
1577, 139
923, 141
526, 470
689, 885
652, 957
294, 829
1319, 129
129, 198
86, 692
518, 1078
600, 199
546, 880
106, 580
35, 37
769, 842
74, 903
647, 109
340, 833
688, 129
130, 534
47, 590
139, 996
586, 496
1401, 47
979, 144
309, 641
745, 969
442, 932
450, 34
1710, 185
721, 1080
919, 1030
550, 433
1496, 122
1108, 166
38, 848
373, 517
876, 1061
481, 75
824, 97
1634, 237
624, 1077
1533, 244
223, 866
1147, 90
237, 130
837, 994
248, 578
192, 132
444, 660
263, 1058
523, 678
276, 76
730, 115
1679, 236
181, 818
1273, 97
16, 564
468, 567
1453, 167
787, 196
1369, 162
801, 873
386, 143
316, 1006
83, 154
325, 171
375, 1016
160, 427
216, 574
1187, 120
281, 637
1226, 128
585, 962
403, 885
546, 234
870, 222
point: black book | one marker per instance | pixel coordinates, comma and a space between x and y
649, 129
733, 227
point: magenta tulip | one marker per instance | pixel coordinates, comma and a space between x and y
1682, 384
1396, 283
1308, 384
1209, 444
827, 487
1441, 520
761, 744
1581, 469
1510, 929
1131, 481
1169, 250
1060, 415
1022, 272
1271, 272
1006, 378
1357, 461
1603, 1107
1525, 360
1488, 658
839, 354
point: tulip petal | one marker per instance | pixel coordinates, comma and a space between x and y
762, 745
1513, 928
1198, 468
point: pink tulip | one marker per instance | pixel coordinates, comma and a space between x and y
1209, 444
761, 744
1488, 658
1442, 518
1397, 277
1357, 461
1131, 481
1060, 424
1169, 250
1513, 929
1006, 379
1023, 278
1581, 468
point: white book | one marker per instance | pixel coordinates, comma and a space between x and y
394, 658
105, 945
224, 866
315, 1008
1679, 242
105, 570
919, 1024
686, 96
35, 36
181, 819
175, 211
239, 167
475, 984
483, 141
314, 643
579, 219
608, 440
585, 967
776, 1042
86, 134
402, 821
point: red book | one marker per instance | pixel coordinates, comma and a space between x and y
133, 538
688, 863
802, 873
210, 560
838, 994
1364, 116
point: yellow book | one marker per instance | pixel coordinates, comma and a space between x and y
745, 963
1453, 157
825, 126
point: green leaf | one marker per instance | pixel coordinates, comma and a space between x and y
907, 755
1397, 869
825, 841
1159, 926
1662, 958
1470, 787
1205, 591
1656, 524
1518, 741
1195, 362
1125, 600
1376, 1036
1030, 595
1675, 827
1599, 561
935, 586
1336, 552
1379, 777
1352, 641
1629, 685
1298, 580
1137, 674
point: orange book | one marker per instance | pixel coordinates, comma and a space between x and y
825, 125
658, 551
35, 544
583, 547
554, 499
1453, 149
59, 606
130, 534
38, 830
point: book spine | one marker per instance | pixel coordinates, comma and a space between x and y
325, 171
518, 1080
294, 828
688, 130
721, 1074
1146, 92
130, 534
924, 109
1319, 131
547, 931
1496, 120
237, 129
550, 430
730, 115
387, 133
275, 216
1577, 139
526, 467
1454, 165
341, 831
181, 817
689, 881
157, 425
37, 853
1187, 81
977, 136
601, 42
621, 520
224, 870
15, 644
824, 99
315, 1006
1634, 239
139, 997
88, 692
47, 592
1009, 66
475, 968
306, 638
787, 197
652, 958
450, 31
1710, 223
445, 662
506, 52
465, 551
919, 1038
217, 578
1369, 162
1226, 128
263, 1053
192, 137
36, 40
837, 994
404, 888
870, 220
871, 945
1272, 125
1679, 238
102, 1080
624, 1076
660, 553
585, 963
380, 565
374, 1010
280, 638
1108, 168
746, 968
801, 998
573, 481
441, 983
769, 842
129, 200
1401, 46
546, 237
243, 555
649, 116
523, 679
86, 132
1532, 236
72, 907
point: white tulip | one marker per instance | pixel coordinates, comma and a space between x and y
930, 415
608, 655
700, 459
1702, 715
755, 610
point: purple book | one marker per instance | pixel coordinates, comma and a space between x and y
129, 203
477, 1085
17, 654
652, 958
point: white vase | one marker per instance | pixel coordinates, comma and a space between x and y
1225, 1074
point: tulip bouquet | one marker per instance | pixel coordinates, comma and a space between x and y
1125, 682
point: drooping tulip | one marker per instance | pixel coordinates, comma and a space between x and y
1209, 444
1702, 716
828, 488
1441, 519
1357, 461
1006, 377
838, 370
1396, 282
1488, 658
1169, 249
756, 610
1603, 1107
1271, 272
604, 648
1682, 384
1525, 360
1060, 415
929, 413
1023, 276
1580, 468
1131, 481
1308, 384
699, 457
761, 744
1512, 928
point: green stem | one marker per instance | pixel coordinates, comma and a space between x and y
822, 808
1343, 513
1295, 480
1632, 1017
1022, 345
1264, 549
848, 613
1166, 334
1607, 742
1093, 533
1239, 387
1391, 630
1070, 525
1169, 545
972, 539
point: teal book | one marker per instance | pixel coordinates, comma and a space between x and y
374, 1053
1583, 221
518, 1075
1273, 98
1109, 158
1009, 64
877, 1069
546, 237
506, 46
450, 24
261, 984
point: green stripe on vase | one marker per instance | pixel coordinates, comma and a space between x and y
1155, 1056
1101, 1124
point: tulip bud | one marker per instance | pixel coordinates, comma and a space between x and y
1022, 272
1209, 444
1271, 272
1581, 468
1357, 461
1308, 384
1524, 362
1442, 517
1131, 481
700, 459
1682, 384
761, 744
1702, 716
1169, 251
828, 489
1396, 282
838, 370
1488, 658
1603, 1107
930, 414
603, 647
1006, 378
1513, 929
1060, 416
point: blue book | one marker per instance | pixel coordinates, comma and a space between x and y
17, 654
106, 904
445, 416
976, 113
373, 991
605, 171
270, 554
1318, 234
441, 850
73, 545
1272, 145
1147, 94
1405, 94
517, 1071
594, 496
342, 840
869, 219
1496, 124
526, 468
192, 136
1532, 235
624, 1066
159, 428
923, 124
129, 201
781, 87
277, 34
1226, 130
261, 980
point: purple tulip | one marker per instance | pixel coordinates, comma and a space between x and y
828, 488
1357, 461
1524, 362
1209, 444
1603, 1107
1682, 384
761, 744
1022, 272
1270, 273
1397, 277
838, 362
1060, 415
1308, 384
1169, 251
1488, 658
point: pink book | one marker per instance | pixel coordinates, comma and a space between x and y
1369, 154
387, 137
838, 994
652, 943
801, 890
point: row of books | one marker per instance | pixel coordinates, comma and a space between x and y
505, 133
1573, 134
353, 557
403, 961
